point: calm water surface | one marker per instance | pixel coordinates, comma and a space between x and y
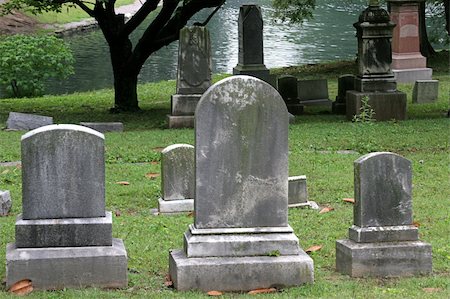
329, 36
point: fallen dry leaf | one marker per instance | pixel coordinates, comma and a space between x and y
416, 224
158, 149
152, 175
262, 291
432, 290
190, 214
168, 281
326, 210
118, 213
123, 183
351, 200
313, 248
5, 171
22, 287
154, 162
214, 293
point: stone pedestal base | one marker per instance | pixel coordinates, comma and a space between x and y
338, 107
412, 75
383, 259
239, 273
175, 206
74, 267
178, 122
295, 109
387, 105
256, 70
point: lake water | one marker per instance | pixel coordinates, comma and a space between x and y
329, 36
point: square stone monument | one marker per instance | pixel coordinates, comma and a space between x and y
287, 87
193, 75
240, 239
383, 240
425, 91
375, 79
313, 92
177, 179
63, 236
298, 193
408, 64
25, 121
251, 50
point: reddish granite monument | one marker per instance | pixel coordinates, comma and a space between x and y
408, 64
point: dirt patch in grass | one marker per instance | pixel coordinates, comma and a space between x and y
16, 22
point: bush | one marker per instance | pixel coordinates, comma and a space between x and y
26, 62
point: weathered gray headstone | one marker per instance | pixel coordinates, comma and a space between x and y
63, 173
104, 126
177, 179
251, 50
425, 91
25, 121
193, 76
287, 87
313, 92
63, 228
5, 202
241, 194
345, 83
298, 193
383, 240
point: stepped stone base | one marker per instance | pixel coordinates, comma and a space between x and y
383, 259
175, 206
239, 273
74, 267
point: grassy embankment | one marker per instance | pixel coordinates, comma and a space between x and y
314, 139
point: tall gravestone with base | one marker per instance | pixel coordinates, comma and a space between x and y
383, 240
240, 239
177, 179
63, 236
375, 79
345, 83
193, 76
251, 51
287, 87
408, 64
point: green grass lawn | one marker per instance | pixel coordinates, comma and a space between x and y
68, 14
314, 139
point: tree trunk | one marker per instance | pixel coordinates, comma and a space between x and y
125, 76
425, 46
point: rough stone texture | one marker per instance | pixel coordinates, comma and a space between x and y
251, 51
345, 83
260, 244
383, 241
425, 91
240, 238
287, 87
177, 172
406, 54
104, 127
383, 259
387, 105
241, 156
69, 232
383, 187
63, 173
193, 76
297, 191
5, 202
239, 273
24, 121
313, 92
75, 267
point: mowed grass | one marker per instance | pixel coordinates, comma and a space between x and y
314, 140
69, 13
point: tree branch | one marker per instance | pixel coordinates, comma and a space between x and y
210, 16
84, 7
140, 15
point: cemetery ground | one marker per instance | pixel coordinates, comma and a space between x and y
317, 141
